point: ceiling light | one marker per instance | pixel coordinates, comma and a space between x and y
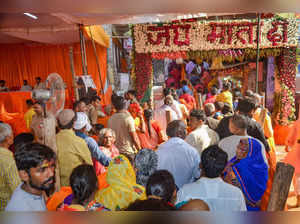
30, 15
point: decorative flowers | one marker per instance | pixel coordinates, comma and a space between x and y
143, 73
118, 160
192, 35
286, 75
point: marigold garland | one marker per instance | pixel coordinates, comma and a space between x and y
234, 55
170, 55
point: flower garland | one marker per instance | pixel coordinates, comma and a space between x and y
143, 73
170, 55
213, 35
286, 76
233, 55
132, 55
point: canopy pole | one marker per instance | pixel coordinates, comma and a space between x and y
76, 94
97, 61
257, 53
83, 51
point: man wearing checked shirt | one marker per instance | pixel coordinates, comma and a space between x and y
9, 176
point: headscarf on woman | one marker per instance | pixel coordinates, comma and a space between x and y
250, 174
145, 163
123, 188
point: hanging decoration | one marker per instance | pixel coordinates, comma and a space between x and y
234, 55
170, 55
220, 43
143, 73
217, 64
132, 59
286, 75
212, 35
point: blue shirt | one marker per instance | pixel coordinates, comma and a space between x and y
180, 92
180, 159
94, 149
22, 201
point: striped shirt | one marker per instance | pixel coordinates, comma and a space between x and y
9, 176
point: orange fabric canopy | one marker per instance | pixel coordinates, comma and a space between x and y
27, 61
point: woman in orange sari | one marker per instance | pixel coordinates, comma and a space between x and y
84, 184
56, 201
153, 129
137, 114
293, 157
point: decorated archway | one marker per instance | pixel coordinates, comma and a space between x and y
233, 41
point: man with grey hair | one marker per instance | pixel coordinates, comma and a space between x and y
145, 164
209, 110
9, 176
178, 157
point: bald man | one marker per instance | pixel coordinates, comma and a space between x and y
195, 205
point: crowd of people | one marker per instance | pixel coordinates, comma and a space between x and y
219, 156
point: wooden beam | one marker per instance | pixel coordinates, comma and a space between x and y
98, 64
71, 55
281, 186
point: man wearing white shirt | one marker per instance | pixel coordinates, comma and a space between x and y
175, 104
219, 195
176, 107
36, 166
165, 114
202, 136
238, 127
178, 157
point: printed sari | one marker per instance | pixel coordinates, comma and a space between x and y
92, 206
122, 189
249, 174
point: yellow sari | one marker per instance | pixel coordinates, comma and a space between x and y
122, 189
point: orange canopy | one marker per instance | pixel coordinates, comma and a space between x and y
27, 61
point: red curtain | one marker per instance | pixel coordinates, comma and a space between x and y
27, 61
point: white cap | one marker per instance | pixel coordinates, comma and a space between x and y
82, 121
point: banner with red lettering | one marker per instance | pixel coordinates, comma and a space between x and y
212, 35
